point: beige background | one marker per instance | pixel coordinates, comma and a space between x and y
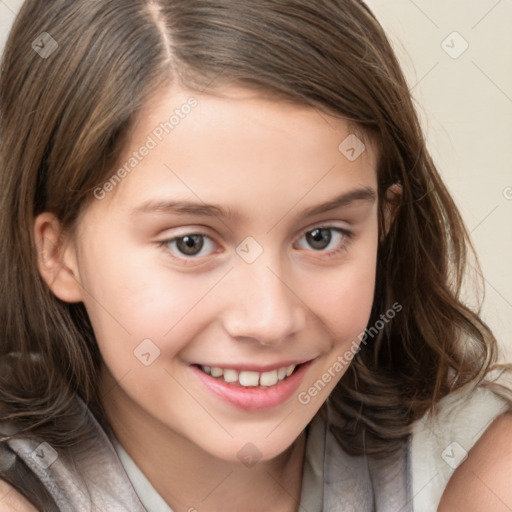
457, 55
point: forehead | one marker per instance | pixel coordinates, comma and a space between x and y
237, 144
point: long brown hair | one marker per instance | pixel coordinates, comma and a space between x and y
65, 118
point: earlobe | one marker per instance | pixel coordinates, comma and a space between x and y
57, 258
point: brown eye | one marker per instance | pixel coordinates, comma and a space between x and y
190, 245
326, 240
319, 239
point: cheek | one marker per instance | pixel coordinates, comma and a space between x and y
343, 297
136, 298
342, 302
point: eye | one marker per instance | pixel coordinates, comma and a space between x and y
325, 239
190, 245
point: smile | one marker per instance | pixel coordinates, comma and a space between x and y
251, 390
247, 378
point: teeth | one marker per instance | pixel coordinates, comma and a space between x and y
268, 378
230, 375
249, 378
216, 372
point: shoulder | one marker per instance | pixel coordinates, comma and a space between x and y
12, 501
442, 440
482, 482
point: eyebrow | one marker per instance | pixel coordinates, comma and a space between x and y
365, 194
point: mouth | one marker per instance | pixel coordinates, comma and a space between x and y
249, 378
251, 390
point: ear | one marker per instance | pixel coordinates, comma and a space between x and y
57, 260
392, 203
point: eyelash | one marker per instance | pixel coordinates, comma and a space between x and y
346, 235
346, 238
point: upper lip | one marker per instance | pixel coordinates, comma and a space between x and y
255, 368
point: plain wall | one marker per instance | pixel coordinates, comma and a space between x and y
465, 102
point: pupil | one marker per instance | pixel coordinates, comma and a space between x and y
190, 244
319, 238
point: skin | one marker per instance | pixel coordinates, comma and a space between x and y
270, 161
12, 501
482, 482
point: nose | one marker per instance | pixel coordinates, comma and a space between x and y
263, 305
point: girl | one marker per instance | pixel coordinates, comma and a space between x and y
231, 271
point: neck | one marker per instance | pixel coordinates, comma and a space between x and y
190, 479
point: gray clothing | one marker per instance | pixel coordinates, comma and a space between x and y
92, 477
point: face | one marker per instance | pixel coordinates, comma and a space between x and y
229, 271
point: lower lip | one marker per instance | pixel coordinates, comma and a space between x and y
253, 398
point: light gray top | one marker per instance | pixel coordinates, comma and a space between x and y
312, 475
93, 476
